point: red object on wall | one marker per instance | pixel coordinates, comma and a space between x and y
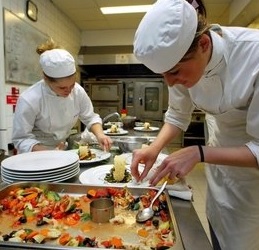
12, 99
15, 91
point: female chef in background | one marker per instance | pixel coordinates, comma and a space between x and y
48, 110
214, 69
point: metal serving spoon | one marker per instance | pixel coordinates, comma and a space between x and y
147, 213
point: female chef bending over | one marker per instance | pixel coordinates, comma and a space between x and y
214, 69
48, 110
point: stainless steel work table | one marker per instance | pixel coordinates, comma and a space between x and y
191, 230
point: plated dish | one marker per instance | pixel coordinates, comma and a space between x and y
99, 156
120, 132
96, 175
143, 129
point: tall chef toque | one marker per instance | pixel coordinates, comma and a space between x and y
57, 63
165, 34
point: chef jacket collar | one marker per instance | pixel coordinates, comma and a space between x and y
217, 54
49, 91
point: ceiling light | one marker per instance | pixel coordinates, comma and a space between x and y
125, 9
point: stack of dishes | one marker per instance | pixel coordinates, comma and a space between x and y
47, 166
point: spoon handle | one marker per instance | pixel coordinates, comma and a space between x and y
158, 193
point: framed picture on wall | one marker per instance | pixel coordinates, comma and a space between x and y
31, 10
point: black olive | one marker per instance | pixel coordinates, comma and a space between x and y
6, 237
155, 223
12, 234
156, 213
86, 241
137, 199
22, 219
76, 210
41, 222
89, 242
163, 206
162, 247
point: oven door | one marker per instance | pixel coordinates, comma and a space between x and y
148, 100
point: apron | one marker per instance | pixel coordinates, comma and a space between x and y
61, 117
233, 192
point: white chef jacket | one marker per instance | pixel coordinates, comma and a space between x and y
229, 93
43, 117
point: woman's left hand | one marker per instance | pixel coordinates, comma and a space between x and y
177, 164
62, 146
105, 142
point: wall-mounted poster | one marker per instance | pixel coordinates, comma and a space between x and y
21, 59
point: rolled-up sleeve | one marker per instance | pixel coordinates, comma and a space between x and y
180, 107
253, 122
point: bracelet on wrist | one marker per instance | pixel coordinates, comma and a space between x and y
201, 153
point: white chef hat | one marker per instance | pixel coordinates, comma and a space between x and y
57, 63
165, 34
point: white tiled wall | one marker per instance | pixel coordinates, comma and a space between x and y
51, 22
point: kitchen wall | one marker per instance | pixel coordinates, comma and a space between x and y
254, 24
51, 22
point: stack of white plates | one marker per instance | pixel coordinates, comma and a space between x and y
47, 166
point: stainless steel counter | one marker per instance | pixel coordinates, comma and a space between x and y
191, 230
192, 233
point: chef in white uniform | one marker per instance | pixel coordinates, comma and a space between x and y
214, 69
48, 110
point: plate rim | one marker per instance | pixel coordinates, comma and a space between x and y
45, 153
122, 132
140, 128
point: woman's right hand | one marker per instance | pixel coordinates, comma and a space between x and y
145, 156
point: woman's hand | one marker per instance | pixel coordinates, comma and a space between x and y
104, 141
178, 164
61, 146
145, 156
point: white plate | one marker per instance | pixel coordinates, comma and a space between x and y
120, 132
143, 129
44, 172
100, 156
56, 179
40, 161
160, 158
96, 175
37, 175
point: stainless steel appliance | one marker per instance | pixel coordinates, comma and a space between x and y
144, 98
106, 96
195, 133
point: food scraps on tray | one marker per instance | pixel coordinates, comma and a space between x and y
36, 215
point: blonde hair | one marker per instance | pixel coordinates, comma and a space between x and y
48, 45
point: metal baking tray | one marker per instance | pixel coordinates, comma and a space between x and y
78, 190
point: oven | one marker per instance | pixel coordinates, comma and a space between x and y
143, 98
195, 134
106, 96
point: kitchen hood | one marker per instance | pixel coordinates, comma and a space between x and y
96, 55
111, 62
